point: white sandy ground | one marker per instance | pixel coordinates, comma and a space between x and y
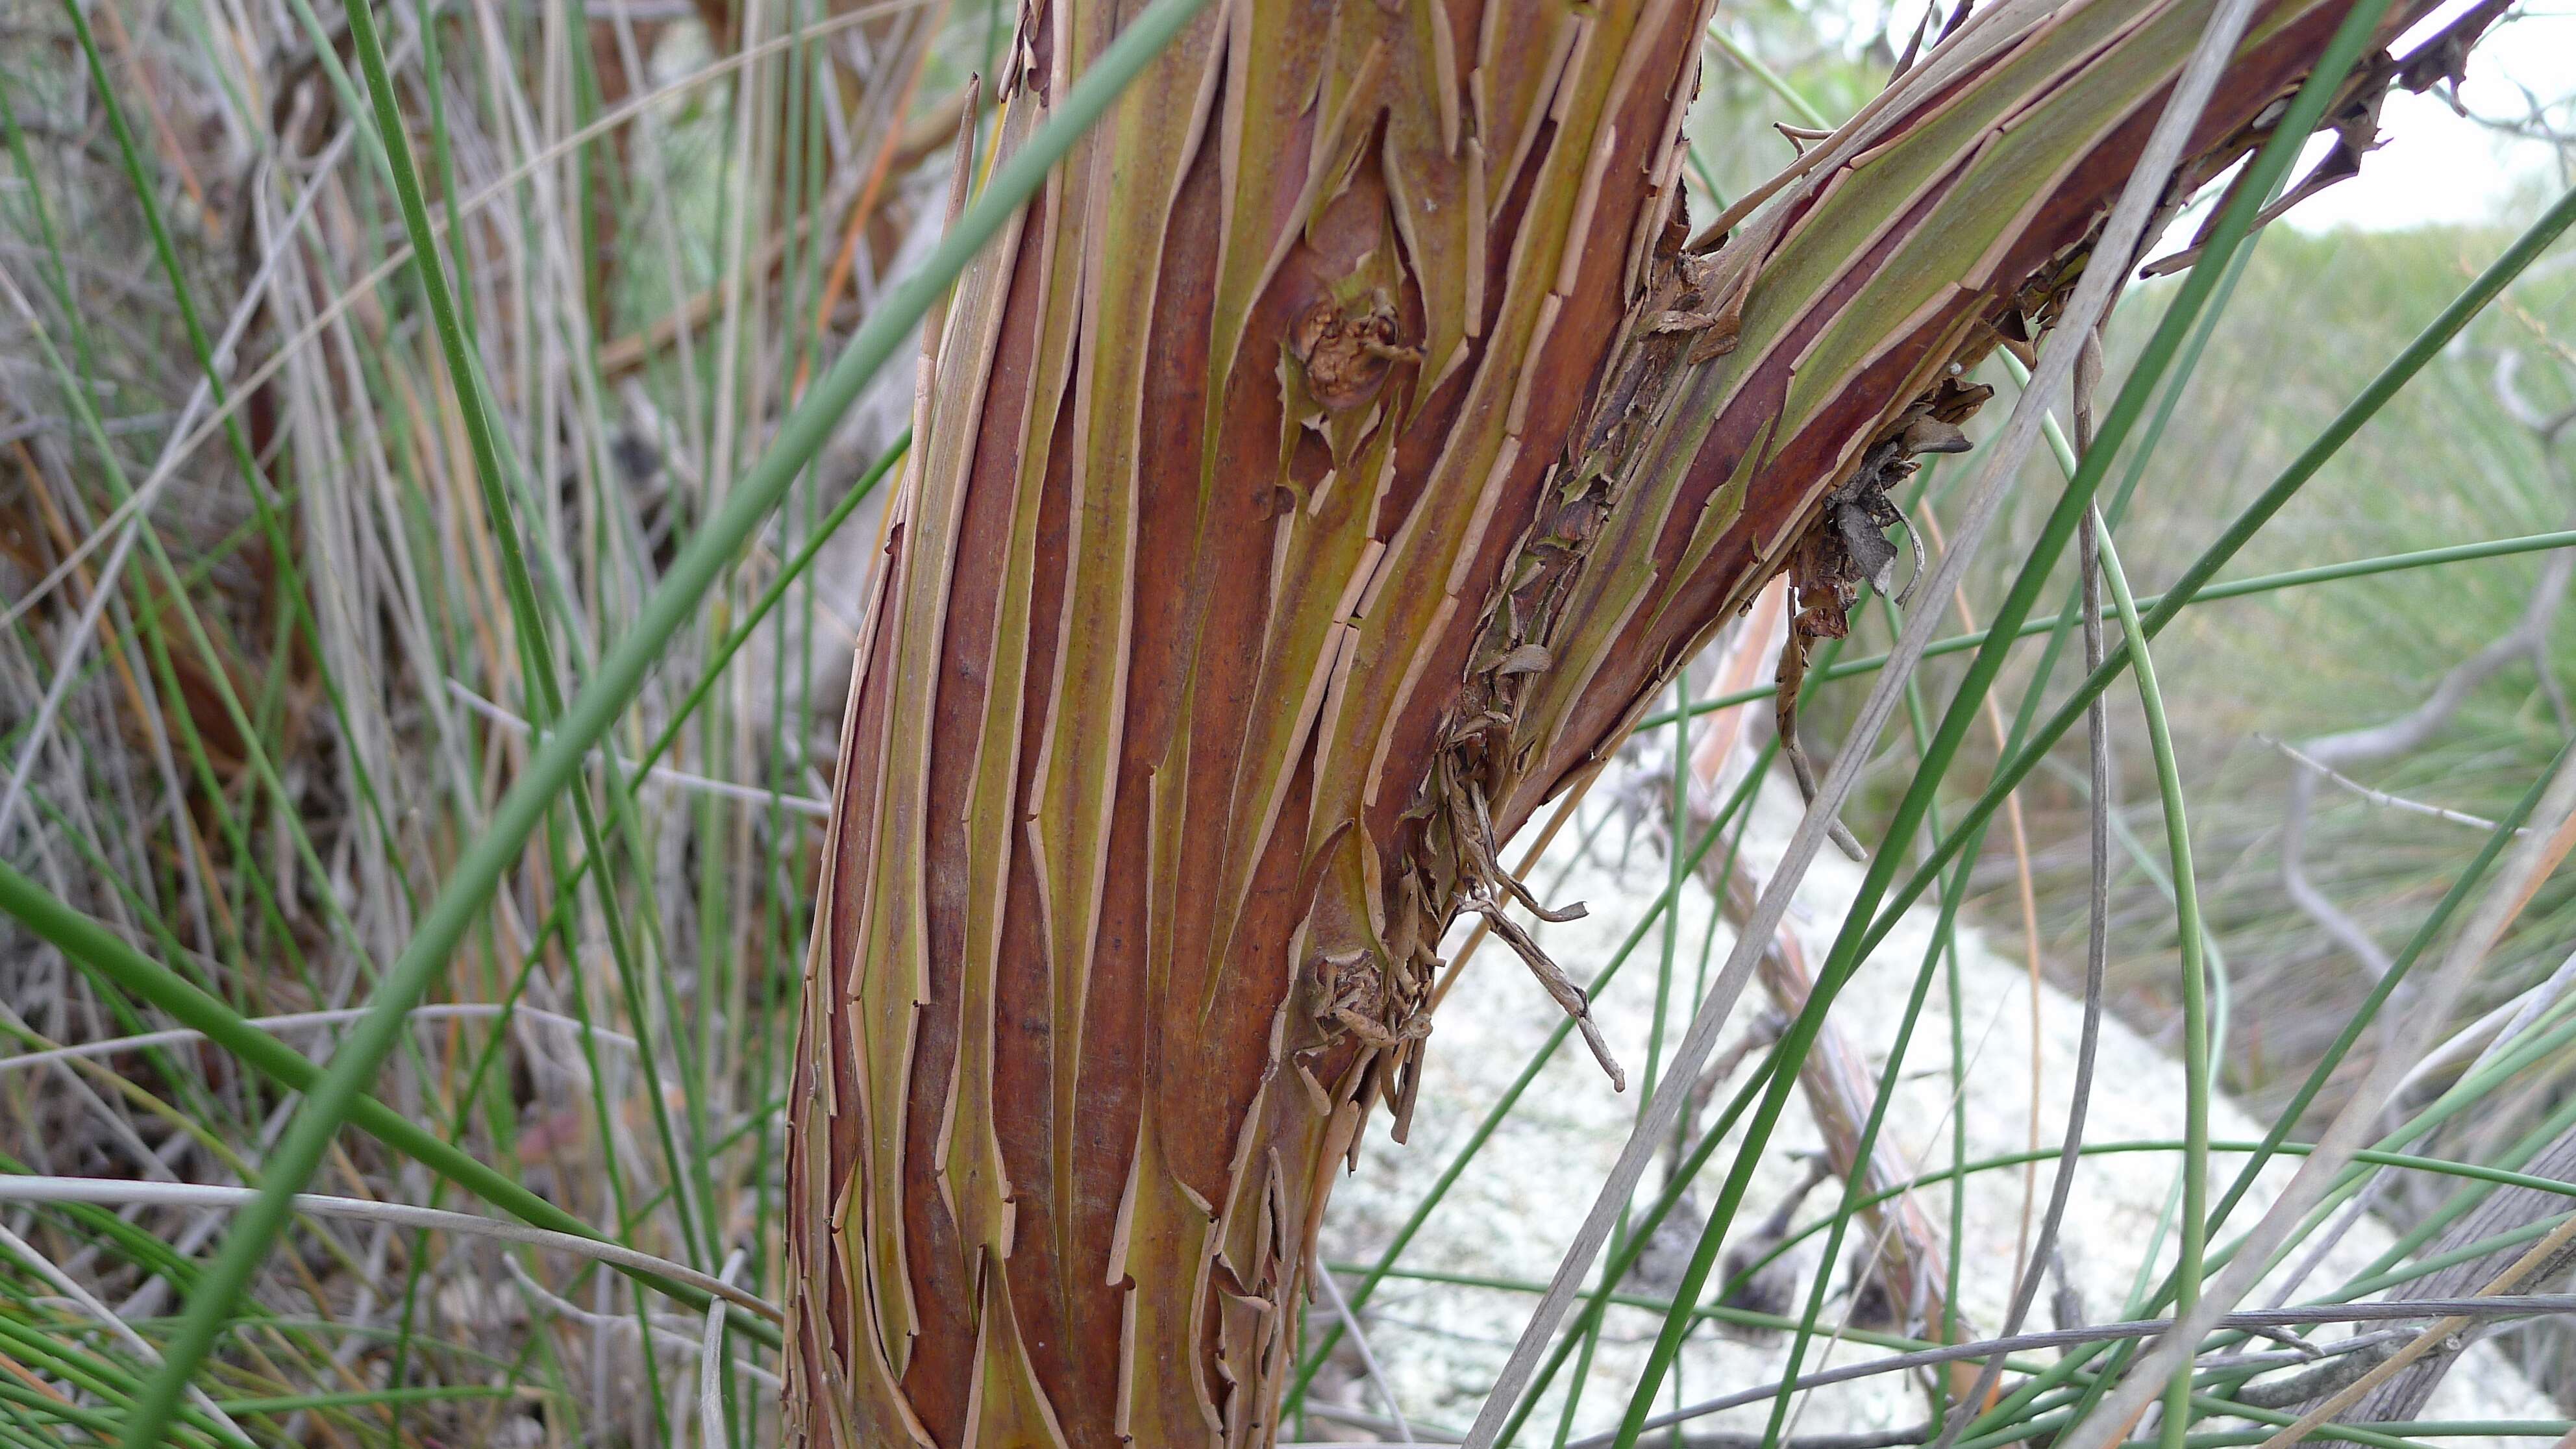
1515, 1208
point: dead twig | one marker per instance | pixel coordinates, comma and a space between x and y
2378, 797
2097, 952
2331, 756
2493, 1307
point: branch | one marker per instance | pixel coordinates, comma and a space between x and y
2330, 756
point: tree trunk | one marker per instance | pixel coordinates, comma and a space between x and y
1319, 476
2504, 1210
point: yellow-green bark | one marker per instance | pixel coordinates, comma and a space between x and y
1317, 479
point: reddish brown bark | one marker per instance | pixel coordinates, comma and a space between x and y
1321, 475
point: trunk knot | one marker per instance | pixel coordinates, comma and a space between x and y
1846, 548
1347, 349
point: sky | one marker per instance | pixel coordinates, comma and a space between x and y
2437, 166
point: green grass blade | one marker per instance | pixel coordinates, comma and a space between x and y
93, 945
2195, 1003
621, 671
2427, 345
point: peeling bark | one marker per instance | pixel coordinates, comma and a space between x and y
1324, 472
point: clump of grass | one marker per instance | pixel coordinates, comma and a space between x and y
310, 552
2466, 454
289, 610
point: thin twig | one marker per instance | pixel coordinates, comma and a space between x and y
711, 1363
669, 1330
2096, 968
2545, 1257
2531, 862
113, 1192
2380, 797
2326, 756
441, 1011
747, 794
2269, 1318
2120, 236
1359, 1341
124, 1332
2502, 1024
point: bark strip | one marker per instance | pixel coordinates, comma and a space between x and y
1322, 475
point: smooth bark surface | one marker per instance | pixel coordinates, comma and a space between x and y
1319, 478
